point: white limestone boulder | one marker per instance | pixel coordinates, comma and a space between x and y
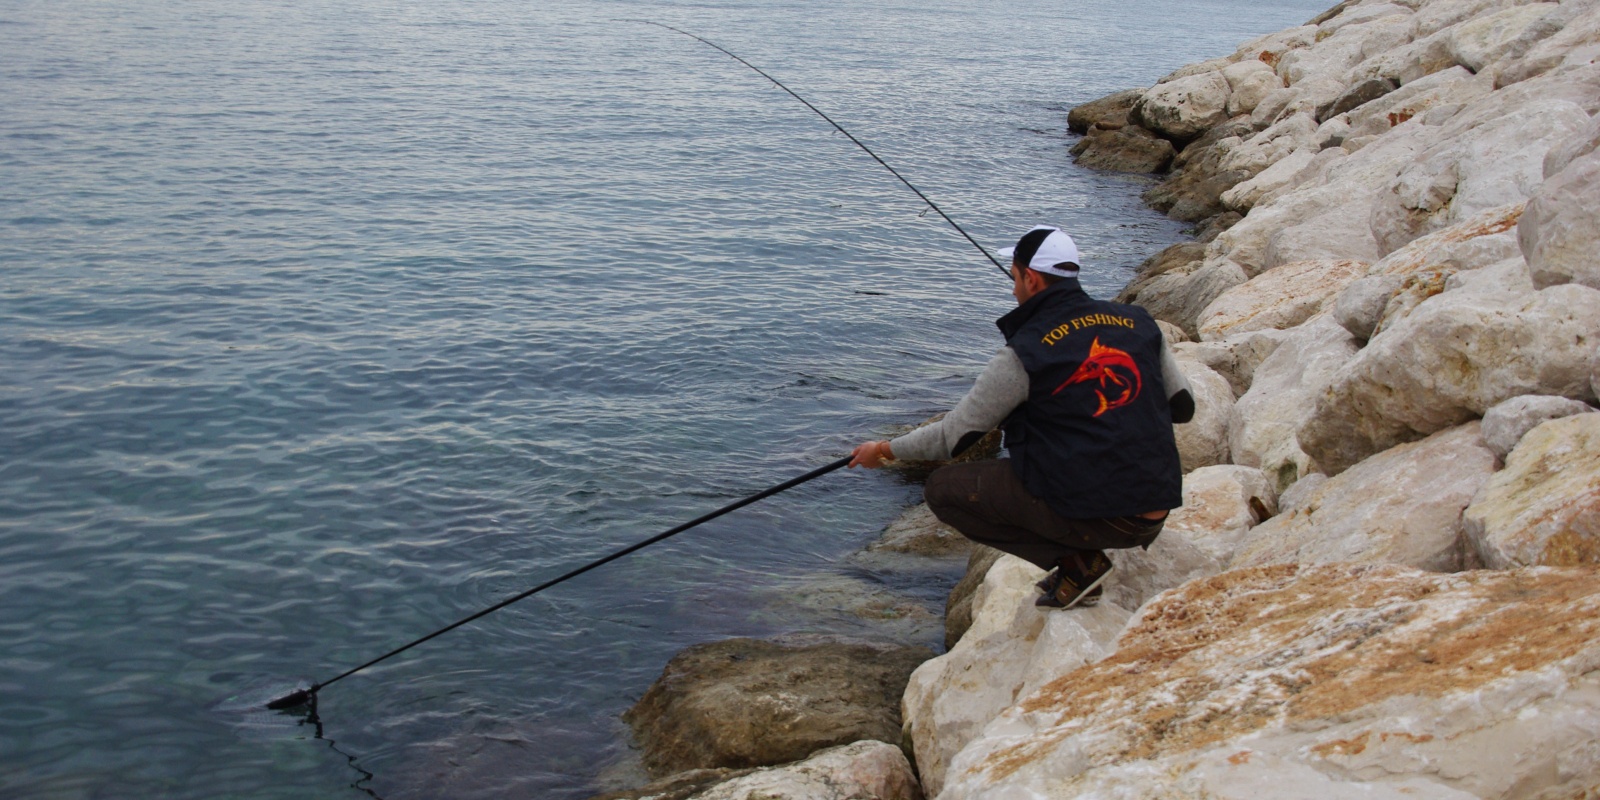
1234, 358
1245, 195
1560, 232
1172, 333
1327, 217
1450, 360
1346, 41
1360, 306
1220, 505
1437, 15
1281, 297
1304, 97
1184, 108
1509, 277
1402, 506
1481, 40
1203, 440
1332, 682
1269, 48
1451, 87
1363, 13
1249, 82
866, 770
1293, 132
1506, 423
1573, 44
1482, 240
1472, 168
1544, 507
1416, 59
1180, 295
1012, 648
1283, 396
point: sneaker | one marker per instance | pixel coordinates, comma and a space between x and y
1076, 582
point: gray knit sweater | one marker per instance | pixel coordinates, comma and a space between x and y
1000, 388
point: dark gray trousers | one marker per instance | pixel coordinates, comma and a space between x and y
987, 503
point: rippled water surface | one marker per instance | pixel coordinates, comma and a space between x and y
325, 324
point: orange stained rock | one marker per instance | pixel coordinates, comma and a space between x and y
1268, 646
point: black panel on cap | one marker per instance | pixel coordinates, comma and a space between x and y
1029, 244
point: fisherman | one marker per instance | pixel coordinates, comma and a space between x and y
1086, 393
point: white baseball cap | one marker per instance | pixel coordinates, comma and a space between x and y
1045, 249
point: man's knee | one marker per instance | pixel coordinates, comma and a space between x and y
946, 490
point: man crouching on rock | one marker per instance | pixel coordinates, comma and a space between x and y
1086, 393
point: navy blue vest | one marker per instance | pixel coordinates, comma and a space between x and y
1094, 438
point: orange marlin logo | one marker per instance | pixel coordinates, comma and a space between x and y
1115, 370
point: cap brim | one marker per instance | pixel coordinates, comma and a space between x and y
1006, 251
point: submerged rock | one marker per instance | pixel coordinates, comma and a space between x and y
918, 532
1332, 681
747, 702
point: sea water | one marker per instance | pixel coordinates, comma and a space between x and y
323, 325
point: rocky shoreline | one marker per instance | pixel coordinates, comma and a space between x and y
1383, 580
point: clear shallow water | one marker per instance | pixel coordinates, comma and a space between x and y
321, 327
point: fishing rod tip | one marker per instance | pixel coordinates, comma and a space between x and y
298, 697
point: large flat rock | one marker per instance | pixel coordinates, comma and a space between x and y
1331, 681
1012, 647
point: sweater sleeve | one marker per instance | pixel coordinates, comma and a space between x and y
1179, 396
1000, 388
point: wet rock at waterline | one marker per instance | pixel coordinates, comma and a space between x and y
749, 702
867, 770
958, 608
686, 785
1127, 148
918, 532
1111, 107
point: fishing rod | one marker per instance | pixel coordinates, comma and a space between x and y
858, 142
300, 697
